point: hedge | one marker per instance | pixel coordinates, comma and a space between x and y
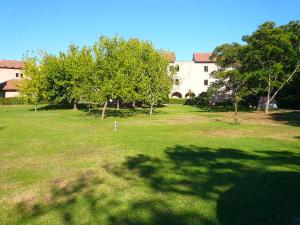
181, 101
12, 101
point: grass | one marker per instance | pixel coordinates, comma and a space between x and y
181, 166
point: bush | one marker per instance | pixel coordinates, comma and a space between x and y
225, 103
201, 100
180, 101
288, 102
12, 101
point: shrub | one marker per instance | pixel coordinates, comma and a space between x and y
12, 101
180, 101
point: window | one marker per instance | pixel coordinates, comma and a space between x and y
205, 82
21, 75
171, 68
177, 81
205, 68
17, 74
177, 68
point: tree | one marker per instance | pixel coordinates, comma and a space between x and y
32, 84
114, 69
80, 66
57, 81
107, 73
273, 54
230, 77
156, 83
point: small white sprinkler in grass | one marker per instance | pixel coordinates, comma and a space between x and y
115, 126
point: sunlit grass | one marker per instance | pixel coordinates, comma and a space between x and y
183, 165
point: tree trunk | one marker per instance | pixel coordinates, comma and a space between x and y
133, 104
103, 110
268, 96
89, 109
235, 111
35, 108
258, 103
74, 105
287, 80
118, 104
151, 110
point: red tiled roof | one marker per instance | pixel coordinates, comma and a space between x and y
11, 85
202, 57
11, 64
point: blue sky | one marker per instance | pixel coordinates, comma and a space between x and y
183, 26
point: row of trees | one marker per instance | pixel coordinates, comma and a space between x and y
112, 69
268, 61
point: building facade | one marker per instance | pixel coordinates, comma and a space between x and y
191, 78
10, 77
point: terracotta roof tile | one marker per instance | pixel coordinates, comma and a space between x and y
11, 64
11, 85
202, 57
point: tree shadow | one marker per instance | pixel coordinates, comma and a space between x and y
223, 109
159, 213
2, 128
63, 197
291, 118
83, 191
243, 186
54, 107
261, 198
121, 113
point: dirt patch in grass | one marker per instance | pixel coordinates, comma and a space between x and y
253, 117
257, 132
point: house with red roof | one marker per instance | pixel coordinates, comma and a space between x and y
10, 77
192, 77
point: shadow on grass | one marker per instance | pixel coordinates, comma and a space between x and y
243, 187
122, 113
97, 112
159, 213
245, 190
63, 197
53, 107
223, 109
68, 199
290, 118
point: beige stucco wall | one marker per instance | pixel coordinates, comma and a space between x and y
191, 76
8, 74
9, 94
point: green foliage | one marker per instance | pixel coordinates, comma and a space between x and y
289, 97
12, 101
272, 55
265, 64
80, 65
231, 77
113, 69
155, 83
32, 87
180, 101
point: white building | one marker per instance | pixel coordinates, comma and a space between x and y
10, 77
192, 77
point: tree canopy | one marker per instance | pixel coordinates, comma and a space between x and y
112, 69
267, 61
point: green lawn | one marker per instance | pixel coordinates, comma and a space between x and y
181, 166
